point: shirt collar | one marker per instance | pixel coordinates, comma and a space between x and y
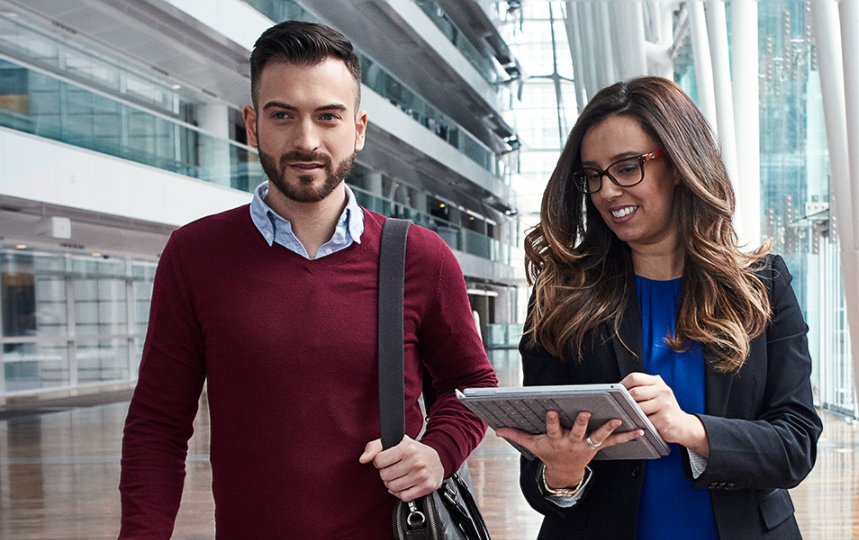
266, 220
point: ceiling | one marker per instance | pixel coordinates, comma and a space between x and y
28, 223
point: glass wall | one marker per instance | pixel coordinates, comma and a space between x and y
457, 237
51, 89
70, 320
544, 116
483, 64
62, 111
794, 170
795, 191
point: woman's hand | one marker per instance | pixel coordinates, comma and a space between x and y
566, 452
658, 402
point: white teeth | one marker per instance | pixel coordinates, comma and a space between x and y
624, 211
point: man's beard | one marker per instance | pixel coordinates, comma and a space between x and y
305, 191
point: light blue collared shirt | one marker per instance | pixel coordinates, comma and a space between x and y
277, 230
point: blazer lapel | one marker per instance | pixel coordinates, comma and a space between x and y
718, 385
627, 346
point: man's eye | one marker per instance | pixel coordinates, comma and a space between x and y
328, 117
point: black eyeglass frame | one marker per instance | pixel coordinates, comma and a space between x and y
583, 185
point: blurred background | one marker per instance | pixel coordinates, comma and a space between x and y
120, 120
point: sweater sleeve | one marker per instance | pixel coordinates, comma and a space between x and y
453, 354
162, 410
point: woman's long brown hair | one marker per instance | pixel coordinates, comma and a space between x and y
583, 274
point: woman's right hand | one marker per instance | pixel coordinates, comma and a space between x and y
566, 452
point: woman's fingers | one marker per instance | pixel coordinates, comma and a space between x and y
553, 425
605, 435
558, 441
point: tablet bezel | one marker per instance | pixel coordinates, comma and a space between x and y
604, 401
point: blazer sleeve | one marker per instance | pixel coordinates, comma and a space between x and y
767, 436
539, 368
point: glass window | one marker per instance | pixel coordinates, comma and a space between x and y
31, 366
100, 306
38, 346
102, 360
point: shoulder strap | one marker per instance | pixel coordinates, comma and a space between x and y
392, 267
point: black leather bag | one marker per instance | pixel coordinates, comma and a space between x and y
451, 512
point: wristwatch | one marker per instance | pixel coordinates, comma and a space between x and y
563, 492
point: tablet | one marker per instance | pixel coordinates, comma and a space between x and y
524, 408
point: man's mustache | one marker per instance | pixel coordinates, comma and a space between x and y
315, 157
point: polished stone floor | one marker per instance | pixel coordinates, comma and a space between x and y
59, 472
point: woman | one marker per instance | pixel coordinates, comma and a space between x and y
638, 278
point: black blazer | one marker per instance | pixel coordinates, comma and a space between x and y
760, 422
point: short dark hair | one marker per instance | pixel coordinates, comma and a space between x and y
305, 43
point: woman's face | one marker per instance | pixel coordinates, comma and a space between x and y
640, 215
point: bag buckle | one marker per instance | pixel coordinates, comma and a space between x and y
416, 518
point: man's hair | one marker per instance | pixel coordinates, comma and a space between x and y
302, 43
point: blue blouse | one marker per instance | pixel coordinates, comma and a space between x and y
669, 507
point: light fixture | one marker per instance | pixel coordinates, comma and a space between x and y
20, 246
176, 86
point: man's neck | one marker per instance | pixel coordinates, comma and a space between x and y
312, 223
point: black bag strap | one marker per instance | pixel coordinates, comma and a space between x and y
392, 271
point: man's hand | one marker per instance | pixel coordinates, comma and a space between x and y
409, 470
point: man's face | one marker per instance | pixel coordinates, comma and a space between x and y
306, 127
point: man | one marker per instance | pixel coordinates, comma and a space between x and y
274, 306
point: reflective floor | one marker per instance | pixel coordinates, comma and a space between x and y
59, 473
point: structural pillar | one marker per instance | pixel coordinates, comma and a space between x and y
844, 187
717, 30
747, 184
214, 121
703, 62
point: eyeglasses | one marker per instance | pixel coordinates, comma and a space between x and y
626, 172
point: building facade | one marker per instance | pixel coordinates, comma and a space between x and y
120, 121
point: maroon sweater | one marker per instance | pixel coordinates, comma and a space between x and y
288, 349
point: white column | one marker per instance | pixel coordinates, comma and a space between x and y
215, 157
850, 49
718, 32
599, 27
628, 35
850, 276
827, 37
844, 185
374, 183
703, 63
588, 27
658, 53
747, 185
419, 197
608, 60
574, 38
